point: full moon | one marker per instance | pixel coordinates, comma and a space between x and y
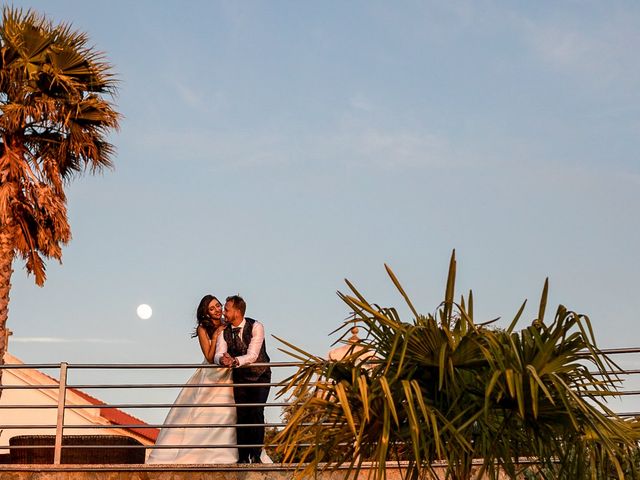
144, 311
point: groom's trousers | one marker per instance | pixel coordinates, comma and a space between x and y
250, 415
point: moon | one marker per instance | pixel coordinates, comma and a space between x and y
144, 311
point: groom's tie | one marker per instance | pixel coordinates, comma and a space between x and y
236, 342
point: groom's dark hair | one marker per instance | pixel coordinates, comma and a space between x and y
238, 302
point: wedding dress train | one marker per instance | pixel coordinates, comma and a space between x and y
191, 438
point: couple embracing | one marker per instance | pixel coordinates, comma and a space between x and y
237, 343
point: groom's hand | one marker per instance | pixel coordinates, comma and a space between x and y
226, 360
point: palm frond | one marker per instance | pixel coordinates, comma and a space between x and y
55, 121
446, 389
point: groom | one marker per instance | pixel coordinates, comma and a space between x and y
241, 345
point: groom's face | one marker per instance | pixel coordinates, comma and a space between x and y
231, 313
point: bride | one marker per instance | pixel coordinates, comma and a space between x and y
209, 316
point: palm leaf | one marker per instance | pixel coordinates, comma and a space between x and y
450, 389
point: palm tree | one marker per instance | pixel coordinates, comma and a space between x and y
55, 119
446, 389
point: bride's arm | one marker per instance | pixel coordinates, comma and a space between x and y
208, 345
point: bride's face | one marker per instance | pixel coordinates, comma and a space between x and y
215, 311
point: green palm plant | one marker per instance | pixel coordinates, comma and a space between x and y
447, 389
56, 115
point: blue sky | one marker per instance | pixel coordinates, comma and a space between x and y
274, 148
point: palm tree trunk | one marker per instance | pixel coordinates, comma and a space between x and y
7, 253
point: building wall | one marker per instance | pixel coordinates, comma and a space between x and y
47, 416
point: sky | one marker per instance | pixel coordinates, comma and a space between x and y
274, 149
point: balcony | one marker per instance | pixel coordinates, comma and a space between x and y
51, 426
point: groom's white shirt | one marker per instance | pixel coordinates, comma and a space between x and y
253, 350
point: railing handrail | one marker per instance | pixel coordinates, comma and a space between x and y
63, 387
141, 365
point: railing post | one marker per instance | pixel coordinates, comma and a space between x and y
62, 396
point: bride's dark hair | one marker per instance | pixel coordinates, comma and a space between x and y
202, 316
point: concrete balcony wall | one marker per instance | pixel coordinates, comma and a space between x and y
176, 472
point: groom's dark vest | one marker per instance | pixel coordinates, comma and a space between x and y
248, 373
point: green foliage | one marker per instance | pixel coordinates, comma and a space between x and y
269, 435
447, 389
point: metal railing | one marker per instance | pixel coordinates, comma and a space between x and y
63, 387
62, 407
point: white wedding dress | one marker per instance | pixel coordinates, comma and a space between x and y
220, 437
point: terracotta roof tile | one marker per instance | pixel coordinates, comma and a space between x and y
113, 415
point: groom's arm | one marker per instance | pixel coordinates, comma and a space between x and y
253, 350
221, 349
